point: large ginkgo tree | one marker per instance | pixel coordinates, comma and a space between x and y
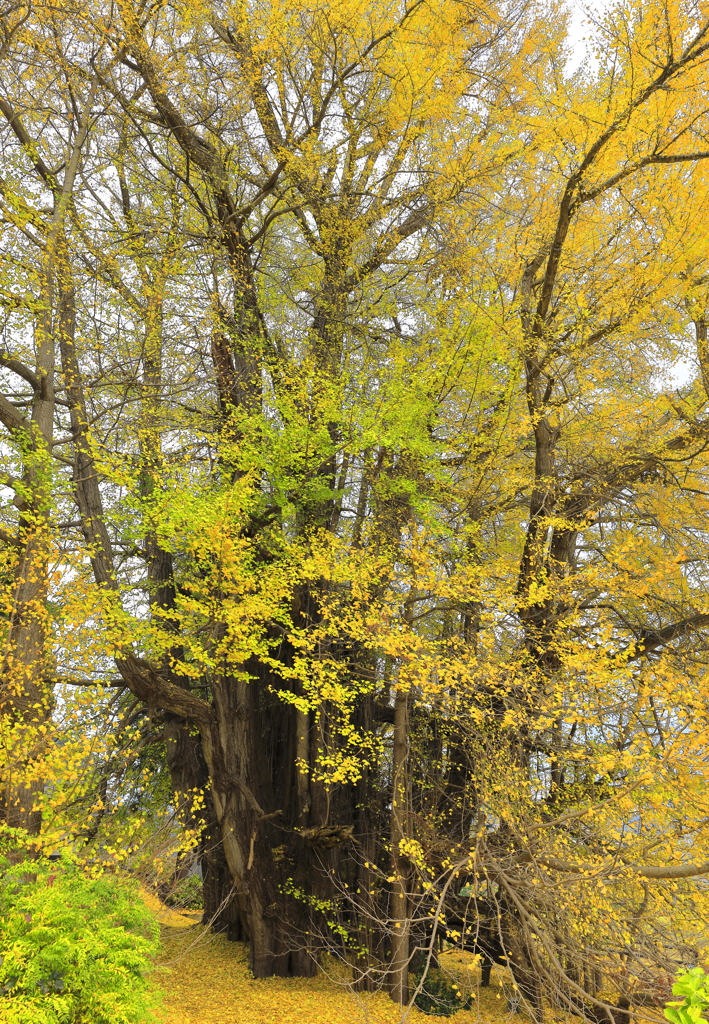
355, 398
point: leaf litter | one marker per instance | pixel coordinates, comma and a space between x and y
207, 981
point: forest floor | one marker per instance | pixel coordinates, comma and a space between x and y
206, 980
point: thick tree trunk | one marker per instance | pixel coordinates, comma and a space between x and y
189, 776
222, 911
258, 804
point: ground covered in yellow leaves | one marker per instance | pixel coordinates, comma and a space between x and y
207, 981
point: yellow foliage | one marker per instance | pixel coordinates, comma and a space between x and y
208, 982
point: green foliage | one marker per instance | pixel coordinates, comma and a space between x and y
694, 989
73, 949
186, 894
440, 996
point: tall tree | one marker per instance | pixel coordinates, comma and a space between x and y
354, 217
394, 519
40, 316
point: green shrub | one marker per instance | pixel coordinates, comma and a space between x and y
73, 949
440, 996
694, 989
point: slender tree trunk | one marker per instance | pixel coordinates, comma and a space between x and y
399, 982
25, 692
26, 670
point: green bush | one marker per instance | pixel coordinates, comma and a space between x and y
440, 996
694, 989
73, 949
